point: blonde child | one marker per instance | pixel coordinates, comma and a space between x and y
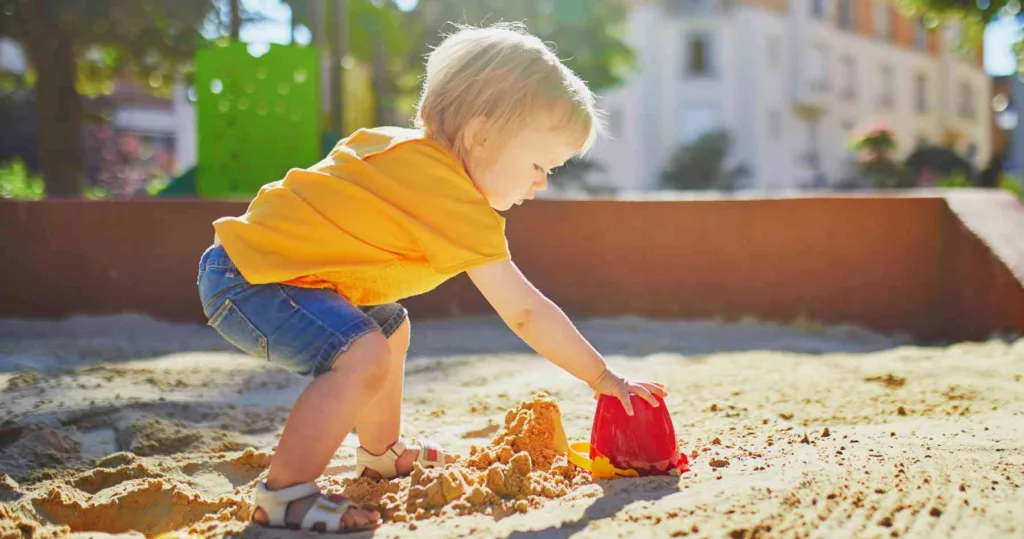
310, 276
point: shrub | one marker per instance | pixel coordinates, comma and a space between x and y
702, 165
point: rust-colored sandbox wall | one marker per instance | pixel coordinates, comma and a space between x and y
982, 292
886, 263
863, 260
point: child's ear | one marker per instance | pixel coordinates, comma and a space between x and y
475, 135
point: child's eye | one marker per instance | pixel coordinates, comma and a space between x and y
540, 169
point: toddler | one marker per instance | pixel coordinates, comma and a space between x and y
309, 278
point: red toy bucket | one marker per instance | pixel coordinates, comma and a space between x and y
645, 442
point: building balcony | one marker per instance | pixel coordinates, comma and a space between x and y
809, 99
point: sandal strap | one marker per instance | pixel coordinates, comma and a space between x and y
326, 513
275, 502
383, 464
431, 454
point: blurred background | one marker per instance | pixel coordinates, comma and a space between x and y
213, 98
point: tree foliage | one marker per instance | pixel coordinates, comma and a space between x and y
974, 14
80, 47
153, 39
587, 34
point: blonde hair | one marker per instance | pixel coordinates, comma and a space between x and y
509, 77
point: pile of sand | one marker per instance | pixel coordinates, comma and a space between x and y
519, 469
523, 466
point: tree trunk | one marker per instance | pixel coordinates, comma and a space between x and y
236, 20
59, 108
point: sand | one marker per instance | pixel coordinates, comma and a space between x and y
122, 425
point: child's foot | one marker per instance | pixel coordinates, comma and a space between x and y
329, 509
398, 460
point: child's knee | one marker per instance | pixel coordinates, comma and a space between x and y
369, 359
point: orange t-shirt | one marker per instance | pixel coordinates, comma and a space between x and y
387, 215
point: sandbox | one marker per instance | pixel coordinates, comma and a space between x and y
123, 425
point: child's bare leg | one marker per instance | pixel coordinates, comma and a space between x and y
321, 418
380, 423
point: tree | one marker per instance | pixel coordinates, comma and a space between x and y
588, 34
702, 165
974, 10
80, 47
876, 144
937, 162
974, 13
573, 175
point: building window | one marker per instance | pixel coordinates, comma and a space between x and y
846, 14
920, 36
921, 94
774, 124
965, 109
819, 66
849, 78
774, 51
697, 119
698, 54
883, 20
818, 9
888, 96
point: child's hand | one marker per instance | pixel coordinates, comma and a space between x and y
610, 383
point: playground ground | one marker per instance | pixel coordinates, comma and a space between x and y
122, 423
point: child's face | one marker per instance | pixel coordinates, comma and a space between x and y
520, 170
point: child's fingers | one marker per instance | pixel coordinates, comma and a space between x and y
644, 394
626, 403
655, 388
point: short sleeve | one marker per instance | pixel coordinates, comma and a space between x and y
456, 228
432, 197
463, 235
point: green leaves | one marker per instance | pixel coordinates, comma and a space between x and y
587, 34
151, 39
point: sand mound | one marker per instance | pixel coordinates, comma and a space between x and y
521, 468
150, 506
33, 449
24, 378
147, 495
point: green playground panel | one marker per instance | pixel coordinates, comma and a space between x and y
256, 117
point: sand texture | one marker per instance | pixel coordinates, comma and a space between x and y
126, 426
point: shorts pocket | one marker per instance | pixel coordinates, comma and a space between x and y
229, 321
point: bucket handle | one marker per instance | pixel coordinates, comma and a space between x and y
600, 467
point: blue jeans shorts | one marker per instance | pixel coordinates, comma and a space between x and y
300, 329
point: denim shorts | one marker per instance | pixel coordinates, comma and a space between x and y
300, 329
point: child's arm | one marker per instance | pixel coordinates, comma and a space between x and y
543, 326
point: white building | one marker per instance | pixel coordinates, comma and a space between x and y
788, 79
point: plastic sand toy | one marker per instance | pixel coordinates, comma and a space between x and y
624, 446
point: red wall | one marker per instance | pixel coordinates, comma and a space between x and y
887, 263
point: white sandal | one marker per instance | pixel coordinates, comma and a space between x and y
325, 514
431, 456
